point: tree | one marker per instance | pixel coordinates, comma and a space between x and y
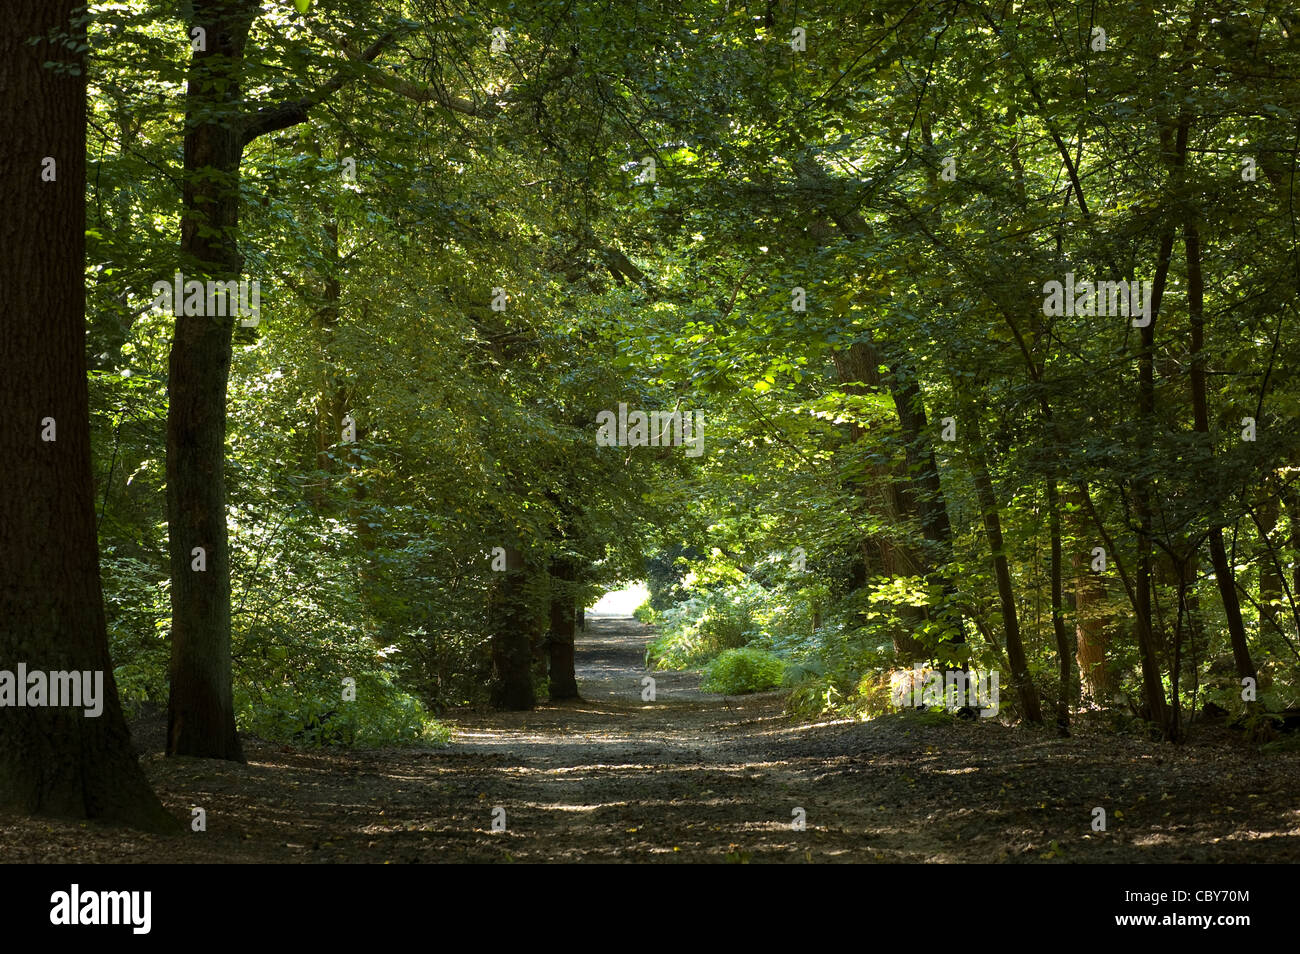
56, 760
200, 712
512, 620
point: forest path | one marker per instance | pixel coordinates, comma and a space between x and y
694, 777
613, 773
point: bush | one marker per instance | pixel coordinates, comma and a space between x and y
646, 613
382, 714
696, 630
814, 695
737, 671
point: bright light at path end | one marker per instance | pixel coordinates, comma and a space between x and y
620, 602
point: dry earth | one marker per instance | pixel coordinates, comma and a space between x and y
696, 777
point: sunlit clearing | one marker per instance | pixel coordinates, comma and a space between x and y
620, 602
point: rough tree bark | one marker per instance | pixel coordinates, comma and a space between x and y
54, 760
560, 641
200, 709
510, 621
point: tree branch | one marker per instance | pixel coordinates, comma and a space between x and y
283, 115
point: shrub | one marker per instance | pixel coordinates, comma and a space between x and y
697, 629
382, 714
816, 695
743, 670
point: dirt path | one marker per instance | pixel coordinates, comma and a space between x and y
697, 777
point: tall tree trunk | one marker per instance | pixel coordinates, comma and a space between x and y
560, 641
1270, 576
904, 496
1065, 688
510, 621
1226, 581
874, 489
1090, 632
1002, 571
922, 494
200, 712
1153, 690
54, 760
918, 492
1173, 142
1224, 577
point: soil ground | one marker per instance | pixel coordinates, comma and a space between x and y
699, 777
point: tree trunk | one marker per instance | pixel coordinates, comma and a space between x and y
510, 623
560, 642
1270, 576
1153, 690
918, 492
54, 759
200, 712
1090, 631
858, 370
1065, 688
1002, 571
924, 494
1226, 581
1224, 577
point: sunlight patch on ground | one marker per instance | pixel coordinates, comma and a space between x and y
620, 602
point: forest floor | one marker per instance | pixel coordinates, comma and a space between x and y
698, 777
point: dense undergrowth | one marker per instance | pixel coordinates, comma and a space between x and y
840, 657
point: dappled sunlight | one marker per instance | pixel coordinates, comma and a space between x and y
696, 777
706, 431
